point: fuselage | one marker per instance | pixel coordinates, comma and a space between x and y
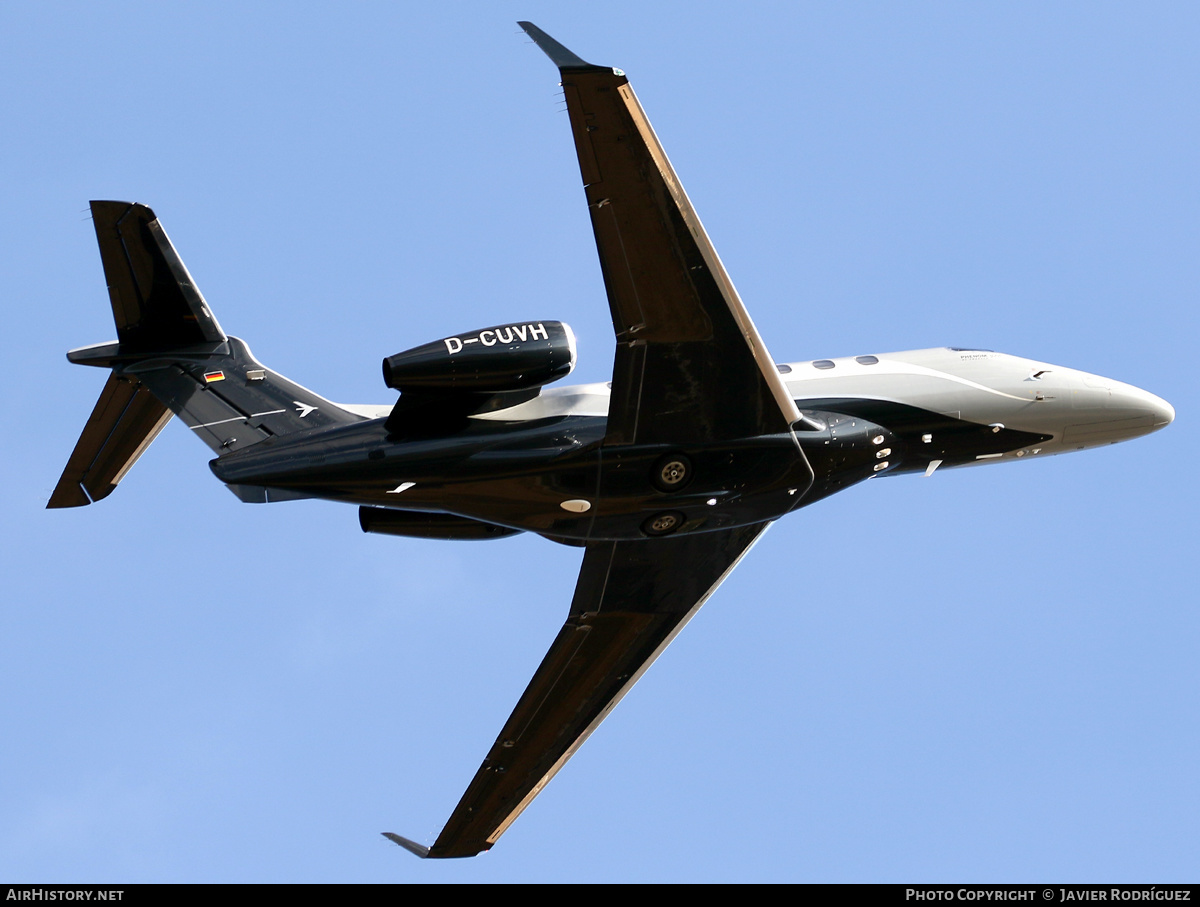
541, 464
1074, 408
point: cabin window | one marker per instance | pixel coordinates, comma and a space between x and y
866, 360
823, 363
784, 369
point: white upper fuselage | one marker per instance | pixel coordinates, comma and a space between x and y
1075, 408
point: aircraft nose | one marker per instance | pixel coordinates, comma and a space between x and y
1151, 411
1164, 413
1161, 412
1109, 411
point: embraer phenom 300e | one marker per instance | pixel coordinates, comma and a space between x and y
665, 477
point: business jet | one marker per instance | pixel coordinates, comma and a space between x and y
665, 476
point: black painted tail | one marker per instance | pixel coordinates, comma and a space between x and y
171, 356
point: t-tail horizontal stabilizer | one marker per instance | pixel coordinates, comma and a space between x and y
124, 421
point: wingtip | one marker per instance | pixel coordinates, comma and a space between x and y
411, 846
560, 56
113, 204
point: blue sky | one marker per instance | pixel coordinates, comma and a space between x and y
986, 675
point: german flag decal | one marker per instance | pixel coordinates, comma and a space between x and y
210, 377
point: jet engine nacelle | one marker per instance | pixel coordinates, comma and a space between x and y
507, 357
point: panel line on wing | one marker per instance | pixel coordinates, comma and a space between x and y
581, 634
632, 314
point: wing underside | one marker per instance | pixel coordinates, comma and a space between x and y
690, 366
631, 599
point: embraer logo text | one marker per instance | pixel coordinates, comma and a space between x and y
506, 334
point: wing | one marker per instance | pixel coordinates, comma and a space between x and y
690, 366
630, 601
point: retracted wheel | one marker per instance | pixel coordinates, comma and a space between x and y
671, 472
663, 523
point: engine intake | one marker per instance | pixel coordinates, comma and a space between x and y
507, 357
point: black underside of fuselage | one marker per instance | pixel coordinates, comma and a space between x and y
926, 436
556, 477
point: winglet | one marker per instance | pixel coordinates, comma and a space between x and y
411, 846
559, 55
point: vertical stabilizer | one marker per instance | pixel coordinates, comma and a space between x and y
155, 302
